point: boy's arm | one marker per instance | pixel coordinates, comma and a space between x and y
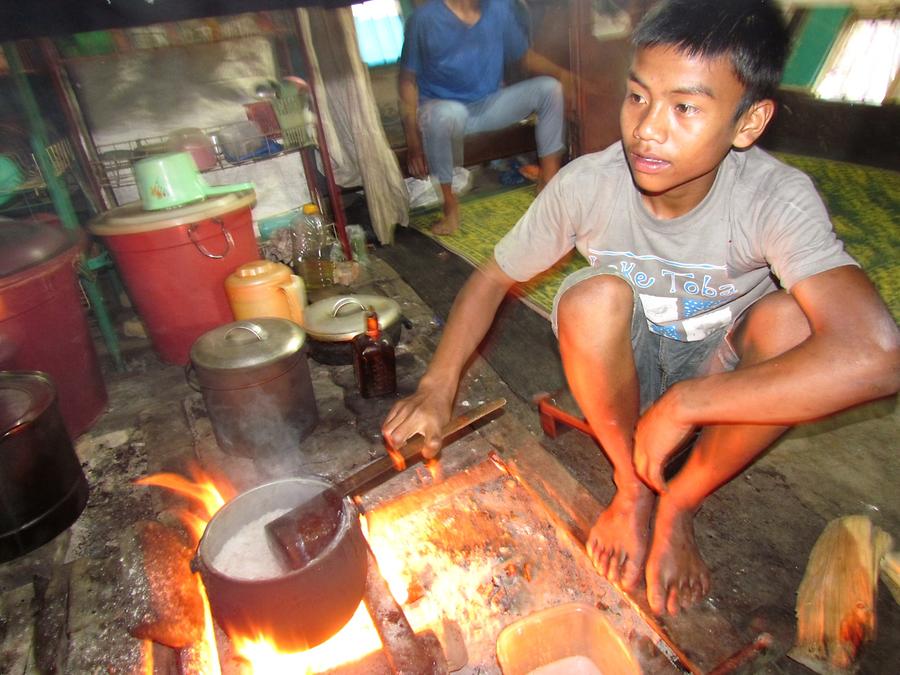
408, 90
429, 409
852, 356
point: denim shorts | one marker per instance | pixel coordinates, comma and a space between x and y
660, 361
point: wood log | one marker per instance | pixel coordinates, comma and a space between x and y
836, 598
163, 593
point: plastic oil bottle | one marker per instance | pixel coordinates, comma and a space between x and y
313, 243
374, 361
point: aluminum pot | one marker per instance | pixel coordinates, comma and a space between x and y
255, 381
42, 487
297, 609
332, 323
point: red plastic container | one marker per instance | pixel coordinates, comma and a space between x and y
174, 264
43, 325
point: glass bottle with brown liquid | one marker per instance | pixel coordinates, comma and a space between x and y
374, 361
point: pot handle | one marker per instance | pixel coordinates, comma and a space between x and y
229, 241
343, 302
254, 328
190, 376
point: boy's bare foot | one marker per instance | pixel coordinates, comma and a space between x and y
450, 222
677, 577
617, 543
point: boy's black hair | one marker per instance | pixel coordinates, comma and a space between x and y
752, 33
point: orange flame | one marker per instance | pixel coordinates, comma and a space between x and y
397, 459
146, 657
434, 468
209, 652
354, 641
209, 493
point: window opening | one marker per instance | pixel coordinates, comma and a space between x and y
379, 30
865, 64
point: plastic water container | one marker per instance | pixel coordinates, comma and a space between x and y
570, 639
174, 263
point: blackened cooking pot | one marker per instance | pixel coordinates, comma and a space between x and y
297, 609
332, 323
42, 487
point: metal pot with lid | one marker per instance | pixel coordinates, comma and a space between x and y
332, 323
255, 381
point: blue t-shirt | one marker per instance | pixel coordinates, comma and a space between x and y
455, 61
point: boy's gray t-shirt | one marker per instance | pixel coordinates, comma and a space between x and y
761, 223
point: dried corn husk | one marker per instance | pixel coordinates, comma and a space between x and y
836, 599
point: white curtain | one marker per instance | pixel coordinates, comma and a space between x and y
359, 149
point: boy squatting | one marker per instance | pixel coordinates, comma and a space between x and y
718, 297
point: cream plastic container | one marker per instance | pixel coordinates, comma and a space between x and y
575, 638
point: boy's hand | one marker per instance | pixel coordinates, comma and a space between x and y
657, 437
425, 412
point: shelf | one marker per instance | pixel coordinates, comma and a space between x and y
32, 180
116, 160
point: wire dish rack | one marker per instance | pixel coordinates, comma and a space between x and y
231, 145
23, 183
61, 158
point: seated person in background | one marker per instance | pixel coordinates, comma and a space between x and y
718, 297
451, 71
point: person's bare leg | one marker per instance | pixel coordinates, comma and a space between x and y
450, 222
550, 166
595, 343
677, 577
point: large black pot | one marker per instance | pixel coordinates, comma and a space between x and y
42, 487
298, 609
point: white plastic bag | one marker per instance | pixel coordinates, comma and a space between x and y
423, 193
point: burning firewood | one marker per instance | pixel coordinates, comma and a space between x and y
836, 599
166, 605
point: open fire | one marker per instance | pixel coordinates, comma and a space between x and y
462, 557
258, 653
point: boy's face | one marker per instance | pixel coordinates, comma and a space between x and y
678, 122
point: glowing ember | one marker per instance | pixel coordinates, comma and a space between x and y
475, 552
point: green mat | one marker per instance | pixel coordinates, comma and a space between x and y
864, 203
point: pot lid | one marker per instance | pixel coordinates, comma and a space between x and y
343, 317
23, 397
25, 244
247, 344
132, 218
258, 273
